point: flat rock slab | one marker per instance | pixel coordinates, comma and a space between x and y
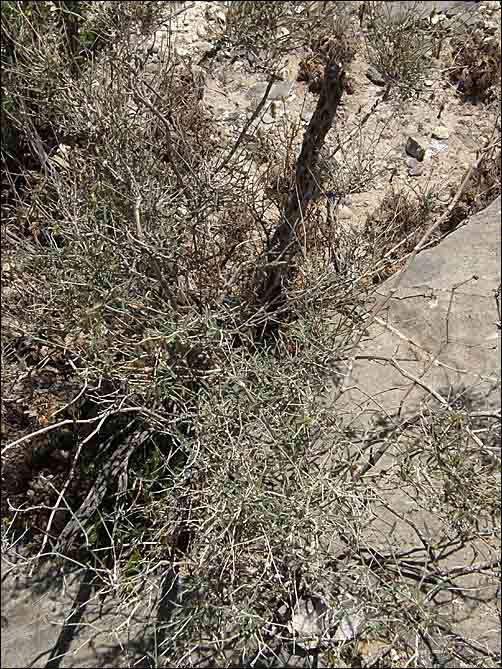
279, 91
53, 619
441, 326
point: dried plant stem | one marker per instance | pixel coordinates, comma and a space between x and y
283, 244
254, 116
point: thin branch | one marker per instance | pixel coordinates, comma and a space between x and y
255, 114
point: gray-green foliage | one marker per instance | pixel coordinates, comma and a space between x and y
398, 45
139, 275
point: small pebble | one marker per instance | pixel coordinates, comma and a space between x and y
414, 149
440, 132
344, 213
435, 148
415, 169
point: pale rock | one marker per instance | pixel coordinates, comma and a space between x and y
349, 626
182, 49
490, 6
281, 90
440, 132
154, 46
436, 147
438, 18
415, 169
344, 213
309, 622
204, 46
215, 14
221, 16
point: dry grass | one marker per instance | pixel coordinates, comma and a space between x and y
482, 188
274, 29
476, 67
398, 44
395, 227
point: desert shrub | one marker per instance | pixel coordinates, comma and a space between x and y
321, 27
31, 92
482, 187
128, 221
252, 23
155, 437
398, 45
45, 45
476, 66
395, 227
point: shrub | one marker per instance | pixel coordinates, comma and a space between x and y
480, 190
321, 27
191, 464
476, 67
395, 227
398, 45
